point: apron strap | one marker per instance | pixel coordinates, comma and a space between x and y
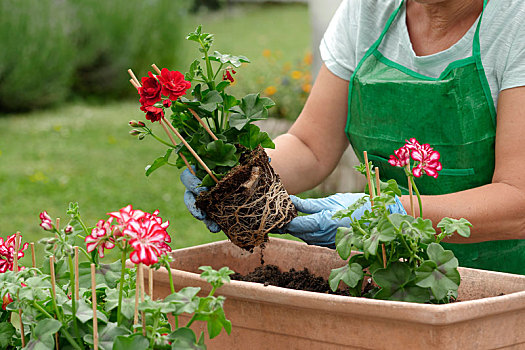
387, 26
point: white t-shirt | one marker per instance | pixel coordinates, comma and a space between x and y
357, 24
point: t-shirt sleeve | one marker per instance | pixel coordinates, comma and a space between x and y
514, 73
338, 45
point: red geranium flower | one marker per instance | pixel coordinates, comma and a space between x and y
6, 300
173, 84
149, 91
7, 253
153, 114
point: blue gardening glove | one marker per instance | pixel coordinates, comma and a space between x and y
192, 183
319, 228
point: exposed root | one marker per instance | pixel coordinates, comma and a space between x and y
249, 202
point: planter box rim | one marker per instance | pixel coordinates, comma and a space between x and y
398, 310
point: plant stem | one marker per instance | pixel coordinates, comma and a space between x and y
156, 317
73, 296
418, 196
168, 267
161, 140
209, 69
121, 285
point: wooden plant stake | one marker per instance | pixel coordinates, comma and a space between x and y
150, 282
201, 122
370, 187
94, 303
133, 77
137, 291
33, 257
15, 269
187, 164
165, 123
76, 275
378, 188
141, 280
53, 289
412, 209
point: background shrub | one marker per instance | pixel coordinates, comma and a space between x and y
51, 48
36, 54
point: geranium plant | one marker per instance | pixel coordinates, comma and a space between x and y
398, 256
213, 134
91, 304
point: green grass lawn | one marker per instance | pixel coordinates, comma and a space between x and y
82, 152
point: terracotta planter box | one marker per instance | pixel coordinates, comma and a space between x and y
491, 314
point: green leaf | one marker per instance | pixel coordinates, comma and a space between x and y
251, 137
347, 213
426, 230
229, 101
107, 335
390, 187
395, 284
184, 339
106, 274
128, 302
195, 70
210, 100
214, 277
157, 163
226, 58
222, 85
219, 153
183, 301
129, 342
42, 336
440, 273
252, 107
350, 274
344, 242
6, 334
84, 311
449, 226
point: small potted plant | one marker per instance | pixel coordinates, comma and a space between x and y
72, 305
215, 137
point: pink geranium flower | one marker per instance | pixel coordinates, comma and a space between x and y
7, 253
101, 237
125, 216
427, 160
400, 158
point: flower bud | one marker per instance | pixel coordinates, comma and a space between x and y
135, 132
166, 103
136, 124
47, 225
142, 136
68, 230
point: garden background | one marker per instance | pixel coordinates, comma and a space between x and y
65, 100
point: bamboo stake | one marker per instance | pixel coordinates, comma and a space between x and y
53, 288
370, 188
33, 257
412, 209
142, 314
94, 303
156, 68
187, 164
164, 122
58, 224
378, 188
137, 290
76, 275
150, 282
134, 84
130, 72
15, 269
203, 124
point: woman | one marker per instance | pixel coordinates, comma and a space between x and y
445, 72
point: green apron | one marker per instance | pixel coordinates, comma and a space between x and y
454, 113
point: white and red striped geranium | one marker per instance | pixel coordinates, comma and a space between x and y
144, 232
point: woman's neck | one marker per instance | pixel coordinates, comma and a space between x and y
436, 25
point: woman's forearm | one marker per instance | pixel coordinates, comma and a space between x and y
496, 211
